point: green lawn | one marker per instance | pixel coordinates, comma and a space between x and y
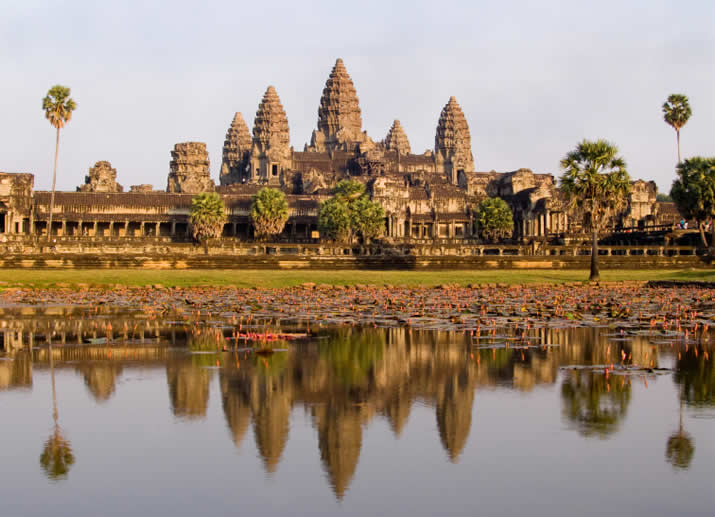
286, 278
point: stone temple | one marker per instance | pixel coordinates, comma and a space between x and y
426, 196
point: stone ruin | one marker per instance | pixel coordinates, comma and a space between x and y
144, 188
189, 169
101, 178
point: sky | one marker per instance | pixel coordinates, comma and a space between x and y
533, 77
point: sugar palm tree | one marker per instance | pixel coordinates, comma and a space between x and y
596, 185
269, 212
207, 217
58, 107
676, 112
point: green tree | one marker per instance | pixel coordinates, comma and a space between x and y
367, 218
694, 191
351, 213
269, 212
494, 219
208, 215
334, 220
676, 112
596, 186
58, 107
349, 189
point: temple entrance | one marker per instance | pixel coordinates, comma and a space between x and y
3, 218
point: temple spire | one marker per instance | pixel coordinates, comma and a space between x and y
396, 139
236, 148
453, 143
339, 115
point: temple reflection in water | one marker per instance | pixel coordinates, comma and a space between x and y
344, 377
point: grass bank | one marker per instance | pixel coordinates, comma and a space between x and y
287, 278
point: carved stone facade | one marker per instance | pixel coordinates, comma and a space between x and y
16, 202
101, 178
189, 169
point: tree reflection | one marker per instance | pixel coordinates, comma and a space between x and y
595, 403
696, 376
680, 449
57, 457
352, 353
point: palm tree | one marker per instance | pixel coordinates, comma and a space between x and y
207, 217
58, 107
676, 112
57, 457
596, 186
269, 212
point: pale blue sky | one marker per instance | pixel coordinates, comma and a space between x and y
533, 78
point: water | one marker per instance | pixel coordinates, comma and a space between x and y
154, 417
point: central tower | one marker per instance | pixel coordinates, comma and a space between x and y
339, 116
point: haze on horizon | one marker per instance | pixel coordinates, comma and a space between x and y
533, 78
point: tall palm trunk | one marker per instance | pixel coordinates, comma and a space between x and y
677, 137
54, 182
595, 275
55, 415
703, 239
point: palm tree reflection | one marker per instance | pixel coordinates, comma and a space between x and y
57, 457
679, 449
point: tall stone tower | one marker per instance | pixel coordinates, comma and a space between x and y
452, 143
271, 152
339, 117
189, 169
396, 139
236, 149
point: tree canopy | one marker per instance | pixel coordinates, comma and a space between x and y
596, 186
494, 219
350, 213
207, 217
694, 190
269, 212
58, 106
676, 113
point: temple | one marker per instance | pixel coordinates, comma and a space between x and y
426, 197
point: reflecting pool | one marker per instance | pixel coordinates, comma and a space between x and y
118, 412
